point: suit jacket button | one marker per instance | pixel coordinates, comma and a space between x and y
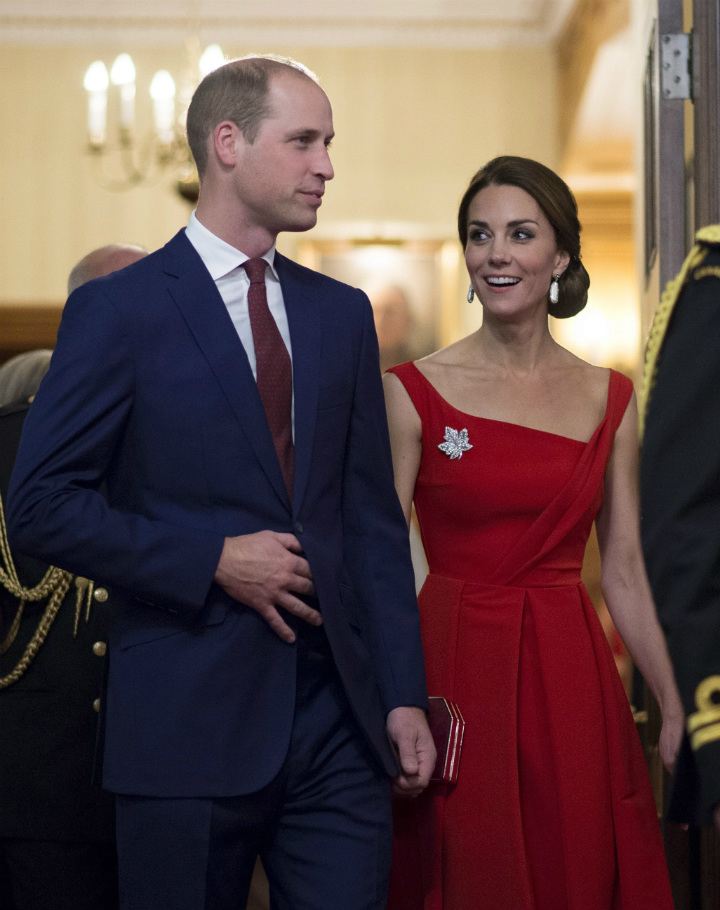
100, 595
99, 648
96, 705
298, 528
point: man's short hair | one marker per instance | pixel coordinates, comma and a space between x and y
237, 91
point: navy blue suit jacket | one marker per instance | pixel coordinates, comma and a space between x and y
150, 392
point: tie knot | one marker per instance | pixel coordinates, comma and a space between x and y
256, 270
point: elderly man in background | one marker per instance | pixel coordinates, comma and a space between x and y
57, 839
20, 376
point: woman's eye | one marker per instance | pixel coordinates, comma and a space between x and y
477, 235
522, 234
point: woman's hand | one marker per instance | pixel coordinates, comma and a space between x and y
671, 734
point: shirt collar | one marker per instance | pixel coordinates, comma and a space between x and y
220, 258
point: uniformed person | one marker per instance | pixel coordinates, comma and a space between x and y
57, 831
680, 502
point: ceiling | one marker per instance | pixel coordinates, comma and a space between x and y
424, 23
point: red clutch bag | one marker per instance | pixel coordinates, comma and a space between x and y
447, 727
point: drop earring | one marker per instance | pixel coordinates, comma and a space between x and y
470, 294
555, 290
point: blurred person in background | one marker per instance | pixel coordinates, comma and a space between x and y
57, 836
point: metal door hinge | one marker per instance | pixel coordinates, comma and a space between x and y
675, 73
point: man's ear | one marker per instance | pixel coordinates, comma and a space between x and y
225, 139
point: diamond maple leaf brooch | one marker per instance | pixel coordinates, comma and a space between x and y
456, 442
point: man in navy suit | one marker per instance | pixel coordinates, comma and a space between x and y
265, 674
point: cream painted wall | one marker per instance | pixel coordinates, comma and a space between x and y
607, 332
412, 126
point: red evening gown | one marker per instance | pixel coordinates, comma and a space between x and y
553, 808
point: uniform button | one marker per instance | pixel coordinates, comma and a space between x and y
99, 648
298, 527
96, 705
100, 595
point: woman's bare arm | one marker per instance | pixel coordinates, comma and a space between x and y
405, 440
625, 584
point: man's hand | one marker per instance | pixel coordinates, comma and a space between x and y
266, 571
409, 731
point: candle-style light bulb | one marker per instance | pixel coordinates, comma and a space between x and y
211, 59
96, 84
122, 74
162, 91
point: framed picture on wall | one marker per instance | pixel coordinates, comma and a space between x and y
404, 281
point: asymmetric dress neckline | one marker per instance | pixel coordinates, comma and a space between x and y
507, 423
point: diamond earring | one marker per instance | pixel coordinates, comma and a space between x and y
470, 294
555, 290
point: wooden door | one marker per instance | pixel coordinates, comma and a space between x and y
663, 202
706, 104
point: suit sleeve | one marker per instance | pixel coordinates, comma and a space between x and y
377, 548
680, 490
56, 510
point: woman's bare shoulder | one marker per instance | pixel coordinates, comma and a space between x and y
594, 380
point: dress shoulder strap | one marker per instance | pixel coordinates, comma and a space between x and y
619, 394
421, 392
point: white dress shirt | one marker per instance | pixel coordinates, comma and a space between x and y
224, 263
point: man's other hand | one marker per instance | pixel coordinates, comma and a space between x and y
265, 571
408, 729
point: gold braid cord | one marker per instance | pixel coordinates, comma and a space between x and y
707, 272
54, 585
706, 236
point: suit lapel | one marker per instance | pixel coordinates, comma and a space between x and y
200, 303
304, 321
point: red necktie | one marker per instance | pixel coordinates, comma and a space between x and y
274, 369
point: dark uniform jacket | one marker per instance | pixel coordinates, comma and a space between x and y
48, 716
680, 501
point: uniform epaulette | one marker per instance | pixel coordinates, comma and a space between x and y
709, 235
705, 239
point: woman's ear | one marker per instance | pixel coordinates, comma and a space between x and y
562, 261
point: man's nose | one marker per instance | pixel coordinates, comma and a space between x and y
324, 166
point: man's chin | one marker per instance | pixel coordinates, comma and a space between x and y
301, 224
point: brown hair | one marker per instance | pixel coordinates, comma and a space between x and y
558, 204
237, 91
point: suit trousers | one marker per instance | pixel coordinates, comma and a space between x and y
322, 826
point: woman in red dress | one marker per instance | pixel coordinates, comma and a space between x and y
511, 447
